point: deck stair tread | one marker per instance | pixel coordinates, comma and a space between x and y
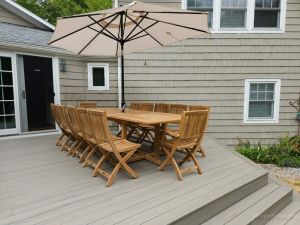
255, 207
290, 215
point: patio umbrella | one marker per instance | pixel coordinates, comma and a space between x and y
130, 28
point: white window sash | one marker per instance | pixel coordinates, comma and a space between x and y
276, 105
91, 86
249, 19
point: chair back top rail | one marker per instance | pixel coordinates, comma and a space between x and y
178, 108
199, 107
87, 104
162, 107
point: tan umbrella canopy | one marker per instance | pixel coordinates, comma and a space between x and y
130, 28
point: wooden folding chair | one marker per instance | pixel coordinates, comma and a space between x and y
201, 107
58, 121
119, 150
87, 134
191, 131
162, 107
76, 130
60, 110
87, 105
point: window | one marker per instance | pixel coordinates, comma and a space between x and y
267, 13
7, 102
204, 6
98, 76
242, 16
261, 101
233, 13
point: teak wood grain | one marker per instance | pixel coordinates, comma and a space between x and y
140, 117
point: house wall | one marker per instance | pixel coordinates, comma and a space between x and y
74, 83
212, 69
8, 17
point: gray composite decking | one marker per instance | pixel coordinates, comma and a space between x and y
41, 185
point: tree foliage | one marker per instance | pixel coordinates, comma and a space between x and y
51, 9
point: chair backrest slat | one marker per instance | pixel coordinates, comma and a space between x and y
55, 114
193, 124
178, 108
199, 107
147, 107
84, 123
63, 116
88, 105
99, 126
162, 107
75, 124
135, 106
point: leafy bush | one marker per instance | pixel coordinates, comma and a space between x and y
285, 153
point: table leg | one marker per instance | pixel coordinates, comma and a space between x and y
124, 130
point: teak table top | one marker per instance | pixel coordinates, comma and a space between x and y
141, 117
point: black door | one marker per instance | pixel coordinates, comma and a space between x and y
39, 92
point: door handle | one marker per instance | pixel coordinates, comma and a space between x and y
23, 94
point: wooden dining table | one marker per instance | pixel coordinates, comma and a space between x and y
156, 119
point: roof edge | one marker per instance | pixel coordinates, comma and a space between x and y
27, 15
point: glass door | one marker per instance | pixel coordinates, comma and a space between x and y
8, 124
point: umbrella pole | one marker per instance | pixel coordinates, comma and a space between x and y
122, 78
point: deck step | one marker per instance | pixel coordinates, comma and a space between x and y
257, 208
200, 210
290, 215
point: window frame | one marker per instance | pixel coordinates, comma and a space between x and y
250, 12
91, 86
277, 87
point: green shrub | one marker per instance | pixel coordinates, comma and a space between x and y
286, 153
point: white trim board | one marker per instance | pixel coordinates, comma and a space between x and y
249, 19
26, 15
276, 106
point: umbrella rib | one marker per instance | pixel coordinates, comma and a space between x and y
112, 35
136, 26
132, 37
145, 31
191, 28
73, 32
105, 34
162, 12
99, 32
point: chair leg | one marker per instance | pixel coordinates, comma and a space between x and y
82, 157
58, 142
77, 148
66, 143
169, 157
201, 150
100, 163
73, 146
196, 163
86, 161
177, 170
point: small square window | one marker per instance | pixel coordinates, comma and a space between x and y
98, 76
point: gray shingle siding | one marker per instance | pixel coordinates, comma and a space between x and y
212, 69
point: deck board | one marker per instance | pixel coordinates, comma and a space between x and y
39, 184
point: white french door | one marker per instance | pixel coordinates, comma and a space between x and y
8, 95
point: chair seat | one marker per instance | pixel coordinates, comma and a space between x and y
182, 144
122, 145
114, 138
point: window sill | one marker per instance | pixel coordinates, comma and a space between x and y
256, 31
98, 89
260, 121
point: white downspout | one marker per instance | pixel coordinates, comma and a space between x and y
116, 4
